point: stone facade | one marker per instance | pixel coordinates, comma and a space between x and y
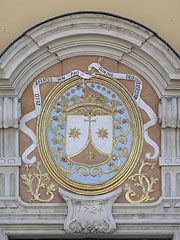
54, 49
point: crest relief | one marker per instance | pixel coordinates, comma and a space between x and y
90, 134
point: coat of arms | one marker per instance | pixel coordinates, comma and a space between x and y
92, 134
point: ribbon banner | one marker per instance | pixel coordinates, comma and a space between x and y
100, 69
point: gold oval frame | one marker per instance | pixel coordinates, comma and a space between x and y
135, 149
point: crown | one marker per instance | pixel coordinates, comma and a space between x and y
89, 104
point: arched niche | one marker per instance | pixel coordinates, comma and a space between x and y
72, 36
89, 33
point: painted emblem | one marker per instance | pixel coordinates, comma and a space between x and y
89, 137
92, 137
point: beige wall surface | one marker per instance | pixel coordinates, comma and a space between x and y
162, 16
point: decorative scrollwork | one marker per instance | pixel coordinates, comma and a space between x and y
121, 137
86, 171
60, 120
96, 105
90, 227
145, 183
41, 183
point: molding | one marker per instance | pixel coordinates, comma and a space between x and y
89, 34
169, 161
10, 161
135, 231
57, 213
118, 208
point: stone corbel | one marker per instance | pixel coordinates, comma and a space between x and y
89, 214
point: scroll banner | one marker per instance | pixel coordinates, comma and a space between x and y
100, 69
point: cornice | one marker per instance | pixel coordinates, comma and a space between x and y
89, 33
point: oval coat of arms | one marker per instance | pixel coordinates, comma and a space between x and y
90, 134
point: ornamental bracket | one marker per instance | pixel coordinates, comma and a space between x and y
90, 214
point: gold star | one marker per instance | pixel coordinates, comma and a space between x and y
102, 133
90, 155
74, 133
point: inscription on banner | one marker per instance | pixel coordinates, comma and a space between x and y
43, 80
37, 99
137, 90
105, 72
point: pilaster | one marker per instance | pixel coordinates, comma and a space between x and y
9, 147
176, 236
3, 236
169, 115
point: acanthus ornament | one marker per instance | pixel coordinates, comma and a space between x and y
94, 228
42, 179
144, 182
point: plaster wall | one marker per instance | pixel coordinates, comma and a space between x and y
136, 48
163, 16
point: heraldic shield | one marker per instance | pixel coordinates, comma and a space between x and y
89, 139
90, 134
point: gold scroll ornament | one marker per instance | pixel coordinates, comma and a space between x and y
41, 179
144, 182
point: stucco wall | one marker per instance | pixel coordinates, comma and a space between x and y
162, 16
45, 48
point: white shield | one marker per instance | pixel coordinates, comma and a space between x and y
102, 133
80, 129
76, 134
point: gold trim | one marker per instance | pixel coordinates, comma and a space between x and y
88, 141
82, 149
41, 179
134, 153
141, 180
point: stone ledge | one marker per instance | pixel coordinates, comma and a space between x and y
169, 161
10, 161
